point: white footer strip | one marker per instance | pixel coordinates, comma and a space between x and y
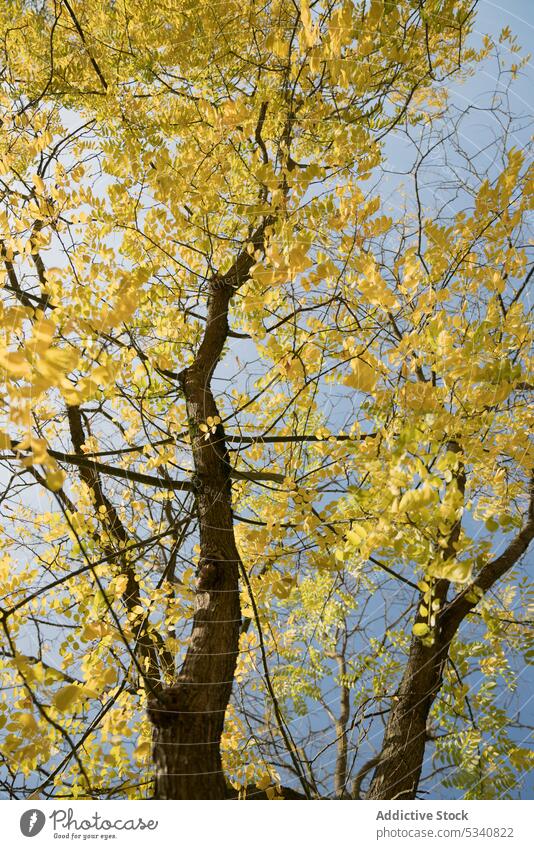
264, 825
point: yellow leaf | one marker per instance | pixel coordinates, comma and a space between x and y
28, 722
119, 585
356, 535
451, 571
298, 260
15, 363
363, 377
62, 359
55, 479
67, 696
110, 676
264, 782
43, 333
142, 751
92, 631
310, 32
38, 183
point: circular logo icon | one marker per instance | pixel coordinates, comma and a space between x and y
32, 822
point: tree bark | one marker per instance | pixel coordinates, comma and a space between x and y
400, 762
188, 718
340, 773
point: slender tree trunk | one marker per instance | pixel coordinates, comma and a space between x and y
400, 762
340, 775
399, 767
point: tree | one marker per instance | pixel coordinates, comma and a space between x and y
187, 183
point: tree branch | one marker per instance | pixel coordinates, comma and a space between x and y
461, 606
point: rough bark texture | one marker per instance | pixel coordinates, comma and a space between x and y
188, 717
401, 759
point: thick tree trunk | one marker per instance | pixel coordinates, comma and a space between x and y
188, 718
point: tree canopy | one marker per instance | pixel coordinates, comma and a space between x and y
266, 476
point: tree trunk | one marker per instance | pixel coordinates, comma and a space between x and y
340, 774
399, 767
400, 762
188, 717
